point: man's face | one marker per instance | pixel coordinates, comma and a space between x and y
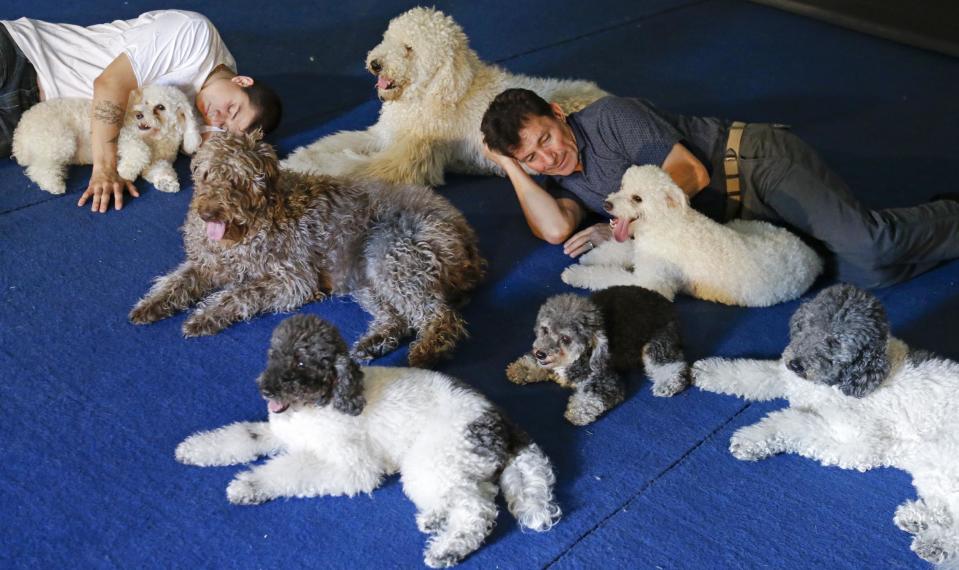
224, 104
547, 145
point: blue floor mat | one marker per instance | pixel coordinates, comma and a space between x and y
93, 407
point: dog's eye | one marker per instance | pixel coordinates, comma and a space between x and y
565, 339
408, 47
637, 199
544, 330
159, 108
300, 364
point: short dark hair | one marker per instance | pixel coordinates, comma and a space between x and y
507, 114
269, 108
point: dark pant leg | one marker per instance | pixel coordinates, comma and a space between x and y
18, 89
787, 182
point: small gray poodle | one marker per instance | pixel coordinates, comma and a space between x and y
858, 399
262, 239
338, 429
583, 343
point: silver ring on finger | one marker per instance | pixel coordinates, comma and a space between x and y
591, 245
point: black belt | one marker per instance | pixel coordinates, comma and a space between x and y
731, 167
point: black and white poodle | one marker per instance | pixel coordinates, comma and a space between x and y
583, 343
858, 398
338, 429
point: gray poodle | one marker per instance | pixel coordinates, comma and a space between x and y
858, 398
583, 343
259, 239
338, 429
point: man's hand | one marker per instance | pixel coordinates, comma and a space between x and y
499, 159
104, 184
587, 240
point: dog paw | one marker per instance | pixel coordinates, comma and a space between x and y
746, 448
243, 491
930, 549
671, 387
442, 557
911, 517
523, 371
146, 312
167, 185
430, 522
576, 276
201, 325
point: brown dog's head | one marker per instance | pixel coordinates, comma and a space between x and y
235, 178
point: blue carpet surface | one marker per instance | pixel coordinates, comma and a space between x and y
93, 406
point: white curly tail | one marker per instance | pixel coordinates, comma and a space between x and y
527, 482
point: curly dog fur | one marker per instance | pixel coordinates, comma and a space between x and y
675, 248
260, 239
859, 398
581, 344
56, 133
337, 429
435, 90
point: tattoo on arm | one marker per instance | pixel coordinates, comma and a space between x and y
108, 112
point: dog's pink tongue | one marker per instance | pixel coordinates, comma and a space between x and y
275, 407
620, 229
215, 230
382, 82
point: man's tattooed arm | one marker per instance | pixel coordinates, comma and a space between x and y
108, 112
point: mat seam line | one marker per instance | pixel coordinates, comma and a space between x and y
647, 485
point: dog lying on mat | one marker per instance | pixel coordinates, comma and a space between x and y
259, 239
337, 429
859, 398
583, 344
677, 249
159, 121
435, 90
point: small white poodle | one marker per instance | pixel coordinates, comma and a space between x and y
674, 249
435, 90
859, 398
56, 133
337, 429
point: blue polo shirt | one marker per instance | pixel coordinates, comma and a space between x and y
615, 133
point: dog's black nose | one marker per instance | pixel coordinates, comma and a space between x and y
608, 206
539, 354
376, 66
796, 366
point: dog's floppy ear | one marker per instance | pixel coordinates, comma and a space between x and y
675, 197
599, 358
866, 373
189, 126
453, 61
348, 390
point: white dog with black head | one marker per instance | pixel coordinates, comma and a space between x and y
337, 429
676, 249
858, 399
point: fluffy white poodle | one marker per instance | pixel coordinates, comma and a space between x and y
435, 90
677, 249
56, 133
337, 429
859, 399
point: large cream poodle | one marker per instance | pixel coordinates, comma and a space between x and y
435, 90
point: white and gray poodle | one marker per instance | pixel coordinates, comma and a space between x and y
435, 90
259, 239
677, 249
338, 429
56, 133
858, 399
583, 344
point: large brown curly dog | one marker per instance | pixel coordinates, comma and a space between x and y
260, 239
